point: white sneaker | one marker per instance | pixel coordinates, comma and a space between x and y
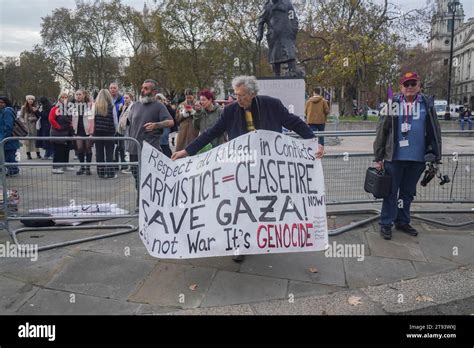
126, 171
58, 171
70, 168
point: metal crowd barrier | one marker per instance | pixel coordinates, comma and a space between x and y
344, 176
344, 180
343, 171
38, 188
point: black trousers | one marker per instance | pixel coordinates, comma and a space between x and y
119, 153
61, 153
166, 150
134, 158
104, 152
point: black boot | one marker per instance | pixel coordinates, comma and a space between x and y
81, 159
28, 155
38, 155
88, 160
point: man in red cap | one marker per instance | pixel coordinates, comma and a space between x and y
407, 137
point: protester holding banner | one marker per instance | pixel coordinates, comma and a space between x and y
251, 112
147, 117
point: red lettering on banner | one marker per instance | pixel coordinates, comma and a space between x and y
258, 236
275, 236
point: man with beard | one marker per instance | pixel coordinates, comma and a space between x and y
147, 117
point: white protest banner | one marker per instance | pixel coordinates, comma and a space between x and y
262, 192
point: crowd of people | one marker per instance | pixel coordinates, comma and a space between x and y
75, 116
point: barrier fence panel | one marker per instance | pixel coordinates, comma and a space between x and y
38, 188
69, 197
344, 176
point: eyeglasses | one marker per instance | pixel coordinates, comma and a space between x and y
410, 84
241, 95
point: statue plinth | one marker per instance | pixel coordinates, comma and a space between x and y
290, 90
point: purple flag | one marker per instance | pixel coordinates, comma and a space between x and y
390, 93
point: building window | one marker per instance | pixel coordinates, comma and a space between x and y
446, 62
450, 25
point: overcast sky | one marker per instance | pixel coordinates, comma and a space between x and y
20, 20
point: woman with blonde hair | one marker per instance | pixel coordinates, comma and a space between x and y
29, 116
81, 116
104, 126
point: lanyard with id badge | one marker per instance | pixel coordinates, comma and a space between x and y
407, 120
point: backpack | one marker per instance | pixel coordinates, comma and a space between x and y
19, 128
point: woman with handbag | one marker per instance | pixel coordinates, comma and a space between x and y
61, 126
29, 116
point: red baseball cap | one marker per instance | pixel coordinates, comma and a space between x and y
409, 76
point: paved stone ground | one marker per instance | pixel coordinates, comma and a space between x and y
117, 276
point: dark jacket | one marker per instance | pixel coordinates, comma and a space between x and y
104, 125
45, 128
7, 121
386, 137
466, 115
61, 125
268, 113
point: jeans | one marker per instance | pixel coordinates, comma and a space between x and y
104, 152
318, 128
405, 176
10, 157
469, 122
49, 153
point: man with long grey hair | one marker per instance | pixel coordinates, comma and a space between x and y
249, 113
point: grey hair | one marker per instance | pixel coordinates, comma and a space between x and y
249, 82
153, 82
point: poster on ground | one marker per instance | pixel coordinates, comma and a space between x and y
260, 193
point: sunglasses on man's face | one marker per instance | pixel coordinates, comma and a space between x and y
410, 84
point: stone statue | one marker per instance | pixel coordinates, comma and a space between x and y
279, 16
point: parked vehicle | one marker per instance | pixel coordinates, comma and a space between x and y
456, 110
440, 107
372, 112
